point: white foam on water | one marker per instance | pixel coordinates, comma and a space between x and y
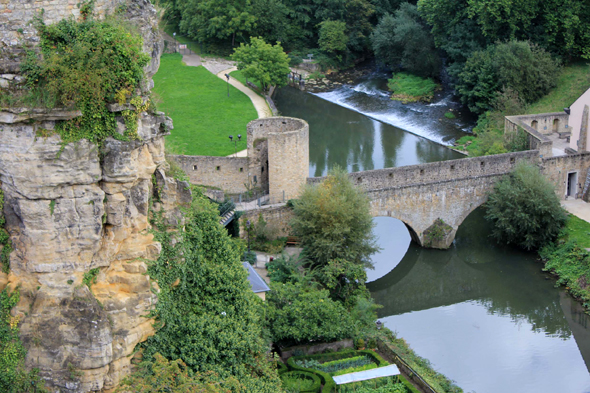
364, 88
341, 97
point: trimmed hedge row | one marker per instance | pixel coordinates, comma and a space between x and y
327, 380
411, 388
317, 383
281, 367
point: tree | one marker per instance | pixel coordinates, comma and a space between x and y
207, 315
334, 222
333, 38
216, 19
266, 63
524, 209
403, 41
300, 314
523, 67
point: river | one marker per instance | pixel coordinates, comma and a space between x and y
485, 315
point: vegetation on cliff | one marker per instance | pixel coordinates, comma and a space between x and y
14, 378
85, 65
5, 243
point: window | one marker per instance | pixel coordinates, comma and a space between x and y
241, 169
194, 167
217, 168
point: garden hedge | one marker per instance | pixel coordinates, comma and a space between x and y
327, 380
281, 367
317, 382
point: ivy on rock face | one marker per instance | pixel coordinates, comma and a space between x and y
86, 65
207, 314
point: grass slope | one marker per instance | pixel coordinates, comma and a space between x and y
203, 114
578, 230
573, 81
411, 88
238, 75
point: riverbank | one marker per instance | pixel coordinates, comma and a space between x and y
568, 259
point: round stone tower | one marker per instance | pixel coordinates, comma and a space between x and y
278, 148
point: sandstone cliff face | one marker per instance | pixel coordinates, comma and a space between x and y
74, 211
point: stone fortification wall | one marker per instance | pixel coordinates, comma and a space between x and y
556, 169
437, 171
536, 140
288, 153
276, 216
71, 211
17, 32
227, 173
544, 123
258, 154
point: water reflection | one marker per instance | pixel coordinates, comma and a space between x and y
341, 136
487, 316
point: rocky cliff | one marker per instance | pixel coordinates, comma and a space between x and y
77, 216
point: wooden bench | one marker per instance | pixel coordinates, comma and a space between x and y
292, 241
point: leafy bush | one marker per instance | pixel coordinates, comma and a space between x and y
411, 88
301, 381
175, 376
524, 209
285, 269
523, 67
5, 243
299, 315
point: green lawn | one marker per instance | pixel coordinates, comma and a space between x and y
238, 75
573, 81
578, 230
203, 114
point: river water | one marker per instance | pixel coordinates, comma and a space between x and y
485, 315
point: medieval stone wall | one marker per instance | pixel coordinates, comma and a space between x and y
437, 171
278, 217
227, 173
556, 169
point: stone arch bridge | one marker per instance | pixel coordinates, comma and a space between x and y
422, 195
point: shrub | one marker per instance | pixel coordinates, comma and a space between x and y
299, 315
87, 65
524, 209
285, 269
520, 66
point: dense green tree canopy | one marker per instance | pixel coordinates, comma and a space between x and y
402, 40
525, 68
207, 314
218, 19
333, 38
266, 63
524, 209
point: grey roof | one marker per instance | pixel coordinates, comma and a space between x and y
256, 282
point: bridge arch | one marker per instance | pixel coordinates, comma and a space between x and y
413, 234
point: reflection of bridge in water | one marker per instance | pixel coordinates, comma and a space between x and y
504, 281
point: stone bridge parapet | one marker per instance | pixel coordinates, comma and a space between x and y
433, 199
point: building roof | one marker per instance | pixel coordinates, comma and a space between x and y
256, 282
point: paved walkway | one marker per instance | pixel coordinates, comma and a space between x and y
259, 102
578, 208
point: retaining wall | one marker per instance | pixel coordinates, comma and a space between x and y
556, 169
278, 217
227, 173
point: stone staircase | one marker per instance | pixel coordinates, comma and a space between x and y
227, 217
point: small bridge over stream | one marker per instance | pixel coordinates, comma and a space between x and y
420, 195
